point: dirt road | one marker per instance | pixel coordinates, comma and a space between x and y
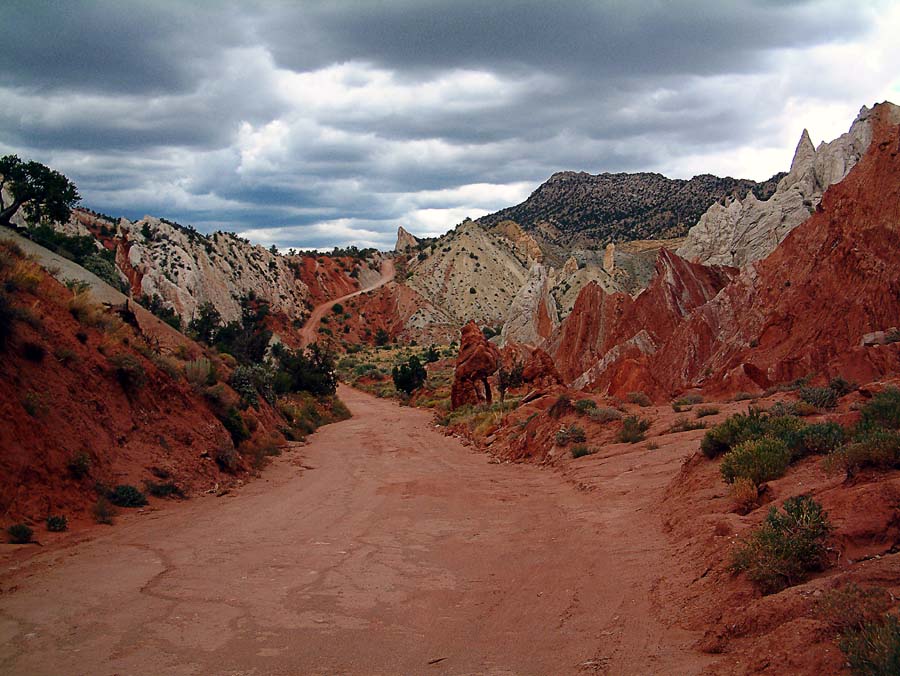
309, 333
398, 551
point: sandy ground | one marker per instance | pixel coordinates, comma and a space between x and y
309, 333
381, 547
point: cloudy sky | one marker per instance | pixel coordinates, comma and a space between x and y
314, 124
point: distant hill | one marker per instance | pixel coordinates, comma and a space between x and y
577, 208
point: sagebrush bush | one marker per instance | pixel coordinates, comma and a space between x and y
841, 386
125, 495
820, 397
79, 465
19, 534
639, 398
758, 460
874, 650
570, 434
688, 400
165, 489
585, 405
604, 414
103, 511
732, 431
876, 448
227, 459
560, 407
817, 439
200, 372
883, 410
745, 494
580, 450
252, 381
633, 429
853, 607
129, 372
705, 411
786, 546
57, 523
684, 424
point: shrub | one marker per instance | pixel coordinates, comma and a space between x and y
79, 465
252, 380
234, 423
792, 408
853, 607
129, 372
817, 439
57, 523
104, 511
705, 411
639, 398
841, 386
580, 450
743, 396
820, 397
745, 494
732, 431
687, 400
758, 460
19, 534
125, 495
878, 448
163, 490
35, 404
786, 546
633, 429
560, 407
874, 650
227, 459
604, 415
200, 372
572, 433
883, 410
683, 424
410, 376
585, 405
34, 352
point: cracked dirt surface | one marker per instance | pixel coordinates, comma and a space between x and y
398, 551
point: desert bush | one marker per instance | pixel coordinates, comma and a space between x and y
820, 397
853, 607
165, 489
841, 386
227, 459
883, 410
35, 404
103, 511
683, 424
200, 372
792, 408
745, 494
560, 407
876, 448
743, 396
234, 423
874, 650
638, 398
23, 275
732, 431
252, 381
585, 405
129, 371
409, 376
580, 450
758, 460
19, 534
33, 352
57, 523
633, 429
705, 411
604, 414
79, 465
125, 495
570, 434
687, 400
816, 439
786, 546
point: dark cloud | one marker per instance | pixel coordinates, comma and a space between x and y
317, 120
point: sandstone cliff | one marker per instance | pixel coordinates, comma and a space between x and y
741, 231
405, 241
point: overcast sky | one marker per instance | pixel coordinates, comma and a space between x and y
314, 124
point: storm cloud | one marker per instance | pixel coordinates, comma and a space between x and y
315, 124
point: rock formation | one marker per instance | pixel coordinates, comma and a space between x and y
806, 308
540, 370
532, 315
609, 258
477, 360
741, 231
405, 241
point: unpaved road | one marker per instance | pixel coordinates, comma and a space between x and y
399, 552
309, 333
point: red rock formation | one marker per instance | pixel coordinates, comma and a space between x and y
540, 370
601, 322
477, 360
803, 309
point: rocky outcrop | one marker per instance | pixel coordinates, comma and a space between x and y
478, 359
532, 316
521, 241
609, 258
741, 231
808, 307
540, 370
405, 241
601, 322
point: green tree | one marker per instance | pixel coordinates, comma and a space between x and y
409, 376
41, 191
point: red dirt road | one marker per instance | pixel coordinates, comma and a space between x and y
309, 333
397, 551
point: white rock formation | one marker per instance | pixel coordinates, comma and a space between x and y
743, 231
532, 315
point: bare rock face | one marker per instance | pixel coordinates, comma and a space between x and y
405, 241
477, 360
532, 316
540, 370
609, 258
812, 306
524, 243
743, 231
